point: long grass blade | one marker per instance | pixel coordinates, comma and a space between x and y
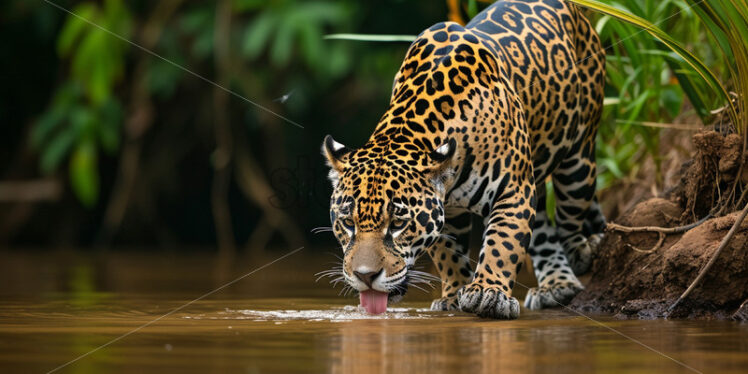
372, 37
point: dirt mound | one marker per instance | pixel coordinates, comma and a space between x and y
708, 178
636, 275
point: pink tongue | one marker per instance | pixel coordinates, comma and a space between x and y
373, 301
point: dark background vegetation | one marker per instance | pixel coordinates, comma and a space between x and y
105, 145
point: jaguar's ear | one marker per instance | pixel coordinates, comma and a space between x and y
335, 153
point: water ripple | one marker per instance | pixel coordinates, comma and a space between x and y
344, 314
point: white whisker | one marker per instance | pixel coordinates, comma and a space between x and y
413, 285
421, 281
448, 237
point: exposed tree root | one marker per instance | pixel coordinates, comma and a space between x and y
662, 231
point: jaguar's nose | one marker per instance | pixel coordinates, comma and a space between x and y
368, 277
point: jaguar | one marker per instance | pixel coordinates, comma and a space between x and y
481, 118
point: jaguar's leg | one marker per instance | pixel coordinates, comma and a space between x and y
557, 284
505, 241
574, 186
594, 225
450, 254
576, 178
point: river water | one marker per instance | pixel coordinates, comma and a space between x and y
134, 311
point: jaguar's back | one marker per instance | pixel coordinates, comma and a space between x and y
556, 65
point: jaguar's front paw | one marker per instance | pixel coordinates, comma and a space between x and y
487, 302
580, 258
445, 304
555, 295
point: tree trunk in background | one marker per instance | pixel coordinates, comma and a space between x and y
222, 156
136, 125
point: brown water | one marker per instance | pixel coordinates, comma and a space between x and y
56, 307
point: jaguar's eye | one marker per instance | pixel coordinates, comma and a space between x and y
347, 222
397, 223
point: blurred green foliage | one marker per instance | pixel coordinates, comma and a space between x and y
649, 79
286, 26
85, 114
95, 95
640, 85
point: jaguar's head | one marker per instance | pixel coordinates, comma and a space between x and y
387, 208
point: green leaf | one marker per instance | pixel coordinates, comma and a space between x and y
280, 52
322, 12
47, 123
600, 24
338, 61
74, 27
117, 17
82, 121
258, 33
196, 20
472, 9
203, 44
550, 202
311, 43
56, 150
672, 101
636, 106
612, 167
84, 174
95, 64
695, 96
200, 23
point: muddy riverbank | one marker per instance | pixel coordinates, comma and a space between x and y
640, 274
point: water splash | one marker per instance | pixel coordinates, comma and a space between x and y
344, 314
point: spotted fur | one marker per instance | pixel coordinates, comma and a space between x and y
479, 116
